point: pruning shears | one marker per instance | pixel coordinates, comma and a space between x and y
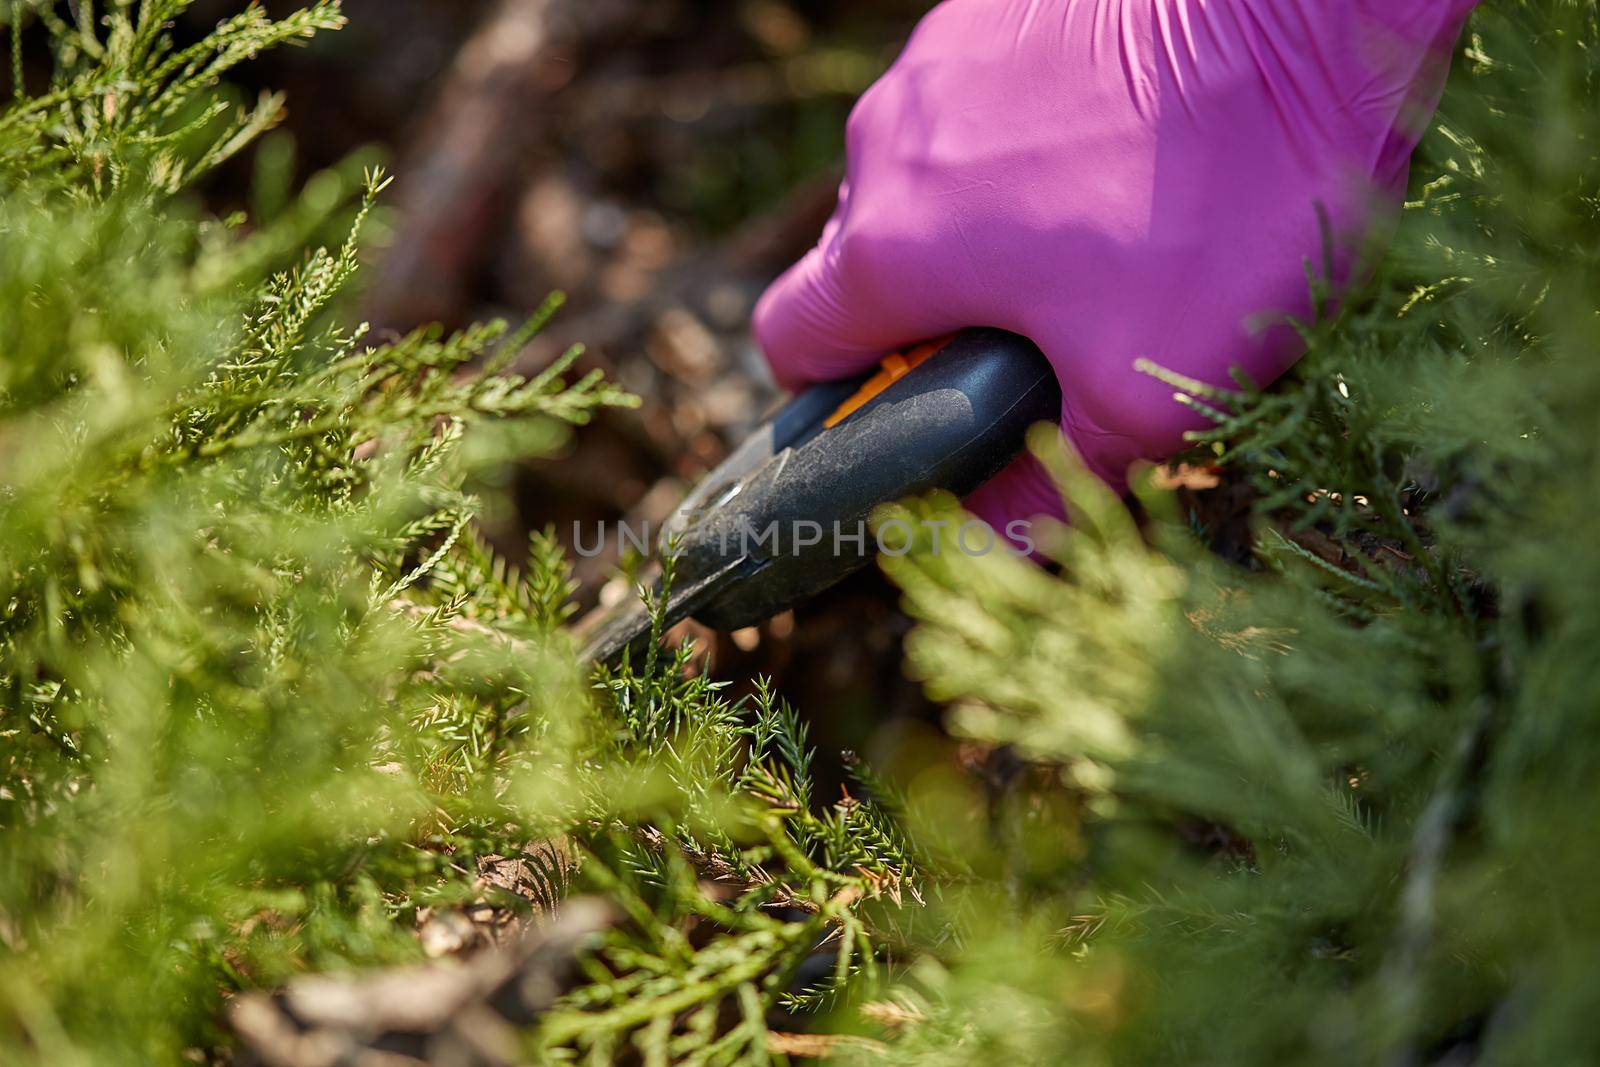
783, 517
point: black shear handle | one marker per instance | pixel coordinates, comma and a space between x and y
946, 416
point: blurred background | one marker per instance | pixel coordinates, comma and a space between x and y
659, 162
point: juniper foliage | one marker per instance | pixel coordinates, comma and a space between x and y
267, 695
1329, 806
237, 740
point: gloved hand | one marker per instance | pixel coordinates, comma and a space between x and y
1115, 180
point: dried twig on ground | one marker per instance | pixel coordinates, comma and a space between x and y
485, 122
463, 1013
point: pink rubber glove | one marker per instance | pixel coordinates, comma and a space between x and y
1115, 179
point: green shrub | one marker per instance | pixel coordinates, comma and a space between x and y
1331, 806
266, 695
236, 739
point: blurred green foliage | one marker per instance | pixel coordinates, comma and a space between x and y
265, 696
264, 693
1332, 806
235, 742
